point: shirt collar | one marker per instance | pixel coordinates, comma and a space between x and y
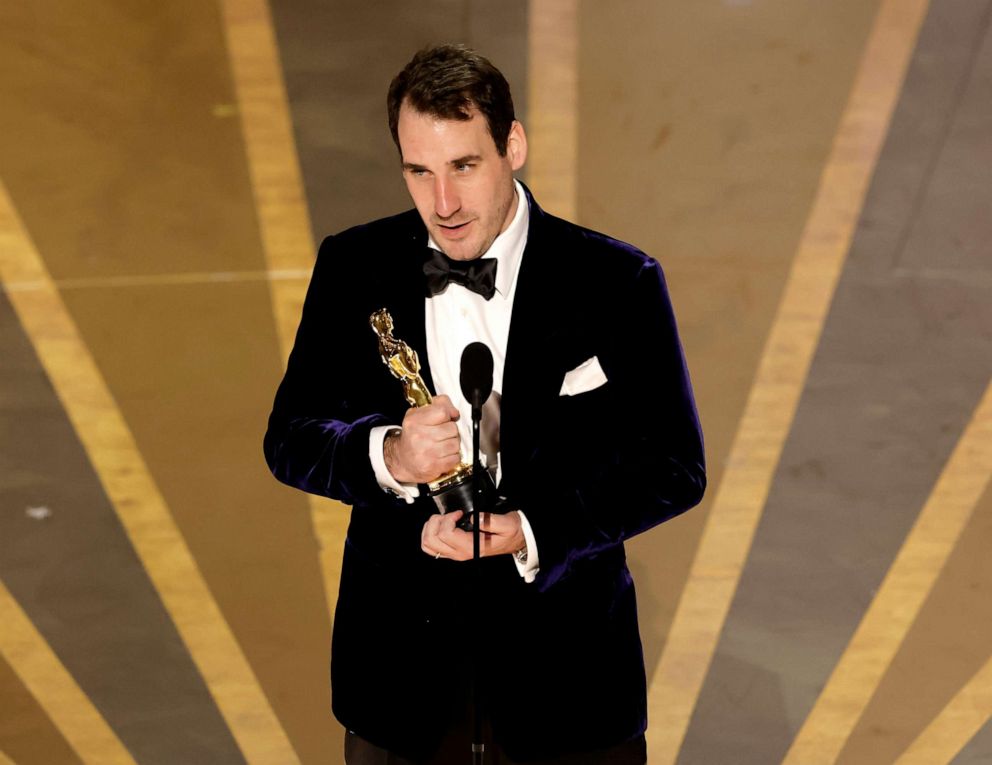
508, 247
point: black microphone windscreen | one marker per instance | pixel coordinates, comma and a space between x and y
477, 373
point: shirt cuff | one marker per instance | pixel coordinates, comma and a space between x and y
405, 491
529, 568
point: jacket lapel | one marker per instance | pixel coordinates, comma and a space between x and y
403, 296
529, 380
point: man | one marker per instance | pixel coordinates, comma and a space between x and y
594, 438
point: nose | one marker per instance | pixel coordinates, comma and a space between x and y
446, 201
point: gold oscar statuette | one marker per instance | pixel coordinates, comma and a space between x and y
453, 490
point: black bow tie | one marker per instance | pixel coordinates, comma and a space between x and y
478, 275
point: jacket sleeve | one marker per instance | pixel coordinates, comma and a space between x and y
624, 457
317, 438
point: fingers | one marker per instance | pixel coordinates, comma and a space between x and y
500, 534
445, 402
495, 524
440, 535
439, 440
436, 413
429, 444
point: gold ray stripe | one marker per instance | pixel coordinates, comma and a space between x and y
553, 104
69, 709
142, 510
283, 217
956, 724
5, 760
273, 166
780, 378
157, 280
899, 599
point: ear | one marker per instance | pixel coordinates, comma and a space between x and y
516, 146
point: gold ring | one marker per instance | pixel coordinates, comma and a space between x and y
437, 555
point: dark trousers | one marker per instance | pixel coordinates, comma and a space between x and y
456, 750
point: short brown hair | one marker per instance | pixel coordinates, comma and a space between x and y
446, 82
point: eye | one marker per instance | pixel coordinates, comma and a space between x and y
464, 167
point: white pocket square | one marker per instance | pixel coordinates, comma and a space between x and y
586, 376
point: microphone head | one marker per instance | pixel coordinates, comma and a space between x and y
477, 374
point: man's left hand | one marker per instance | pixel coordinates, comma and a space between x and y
500, 534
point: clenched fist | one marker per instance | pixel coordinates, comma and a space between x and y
428, 446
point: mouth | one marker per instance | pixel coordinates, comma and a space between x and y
453, 231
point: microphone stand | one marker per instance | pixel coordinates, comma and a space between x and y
478, 748
477, 385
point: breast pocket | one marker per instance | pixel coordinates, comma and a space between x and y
583, 425
586, 377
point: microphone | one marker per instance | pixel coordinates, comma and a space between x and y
477, 375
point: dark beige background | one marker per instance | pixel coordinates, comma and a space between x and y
703, 129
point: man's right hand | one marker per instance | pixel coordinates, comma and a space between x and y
428, 446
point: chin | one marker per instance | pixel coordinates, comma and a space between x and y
462, 250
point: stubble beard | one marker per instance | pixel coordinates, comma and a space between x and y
501, 216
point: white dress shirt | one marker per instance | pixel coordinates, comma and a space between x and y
454, 319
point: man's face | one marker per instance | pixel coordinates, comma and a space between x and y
461, 186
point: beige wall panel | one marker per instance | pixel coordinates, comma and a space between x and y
36, 664
124, 156
949, 642
193, 369
120, 146
703, 129
27, 734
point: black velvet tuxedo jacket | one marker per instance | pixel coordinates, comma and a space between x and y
562, 656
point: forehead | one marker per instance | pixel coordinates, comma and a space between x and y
426, 138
